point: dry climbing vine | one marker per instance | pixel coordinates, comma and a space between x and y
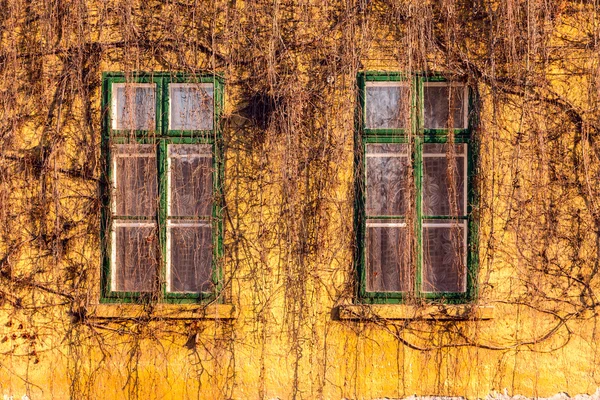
290, 72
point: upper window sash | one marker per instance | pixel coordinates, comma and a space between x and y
393, 104
203, 94
387, 101
126, 99
438, 106
171, 117
190, 107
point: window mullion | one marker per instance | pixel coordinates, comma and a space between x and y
417, 130
216, 222
162, 210
164, 110
362, 213
162, 159
472, 227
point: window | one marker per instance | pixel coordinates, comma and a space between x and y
414, 197
161, 226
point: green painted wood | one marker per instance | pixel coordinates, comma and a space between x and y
415, 138
161, 137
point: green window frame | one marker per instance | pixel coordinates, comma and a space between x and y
161, 225
411, 243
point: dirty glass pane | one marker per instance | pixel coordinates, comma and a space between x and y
387, 105
136, 179
134, 106
444, 190
439, 107
191, 258
444, 250
191, 173
387, 179
388, 257
191, 106
136, 263
437, 148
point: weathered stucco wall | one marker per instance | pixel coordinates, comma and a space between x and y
288, 129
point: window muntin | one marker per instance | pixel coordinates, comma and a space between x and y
161, 224
414, 221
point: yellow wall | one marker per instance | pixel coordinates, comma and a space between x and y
289, 203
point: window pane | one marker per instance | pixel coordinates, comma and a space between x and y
444, 256
387, 105
136, 257
442, 148
134, 106
191, 257
444, 190
439, 106
135, 178
387, 179
388, 257
191, 106
191, 173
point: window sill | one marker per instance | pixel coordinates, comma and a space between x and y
162, 311
440, 312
